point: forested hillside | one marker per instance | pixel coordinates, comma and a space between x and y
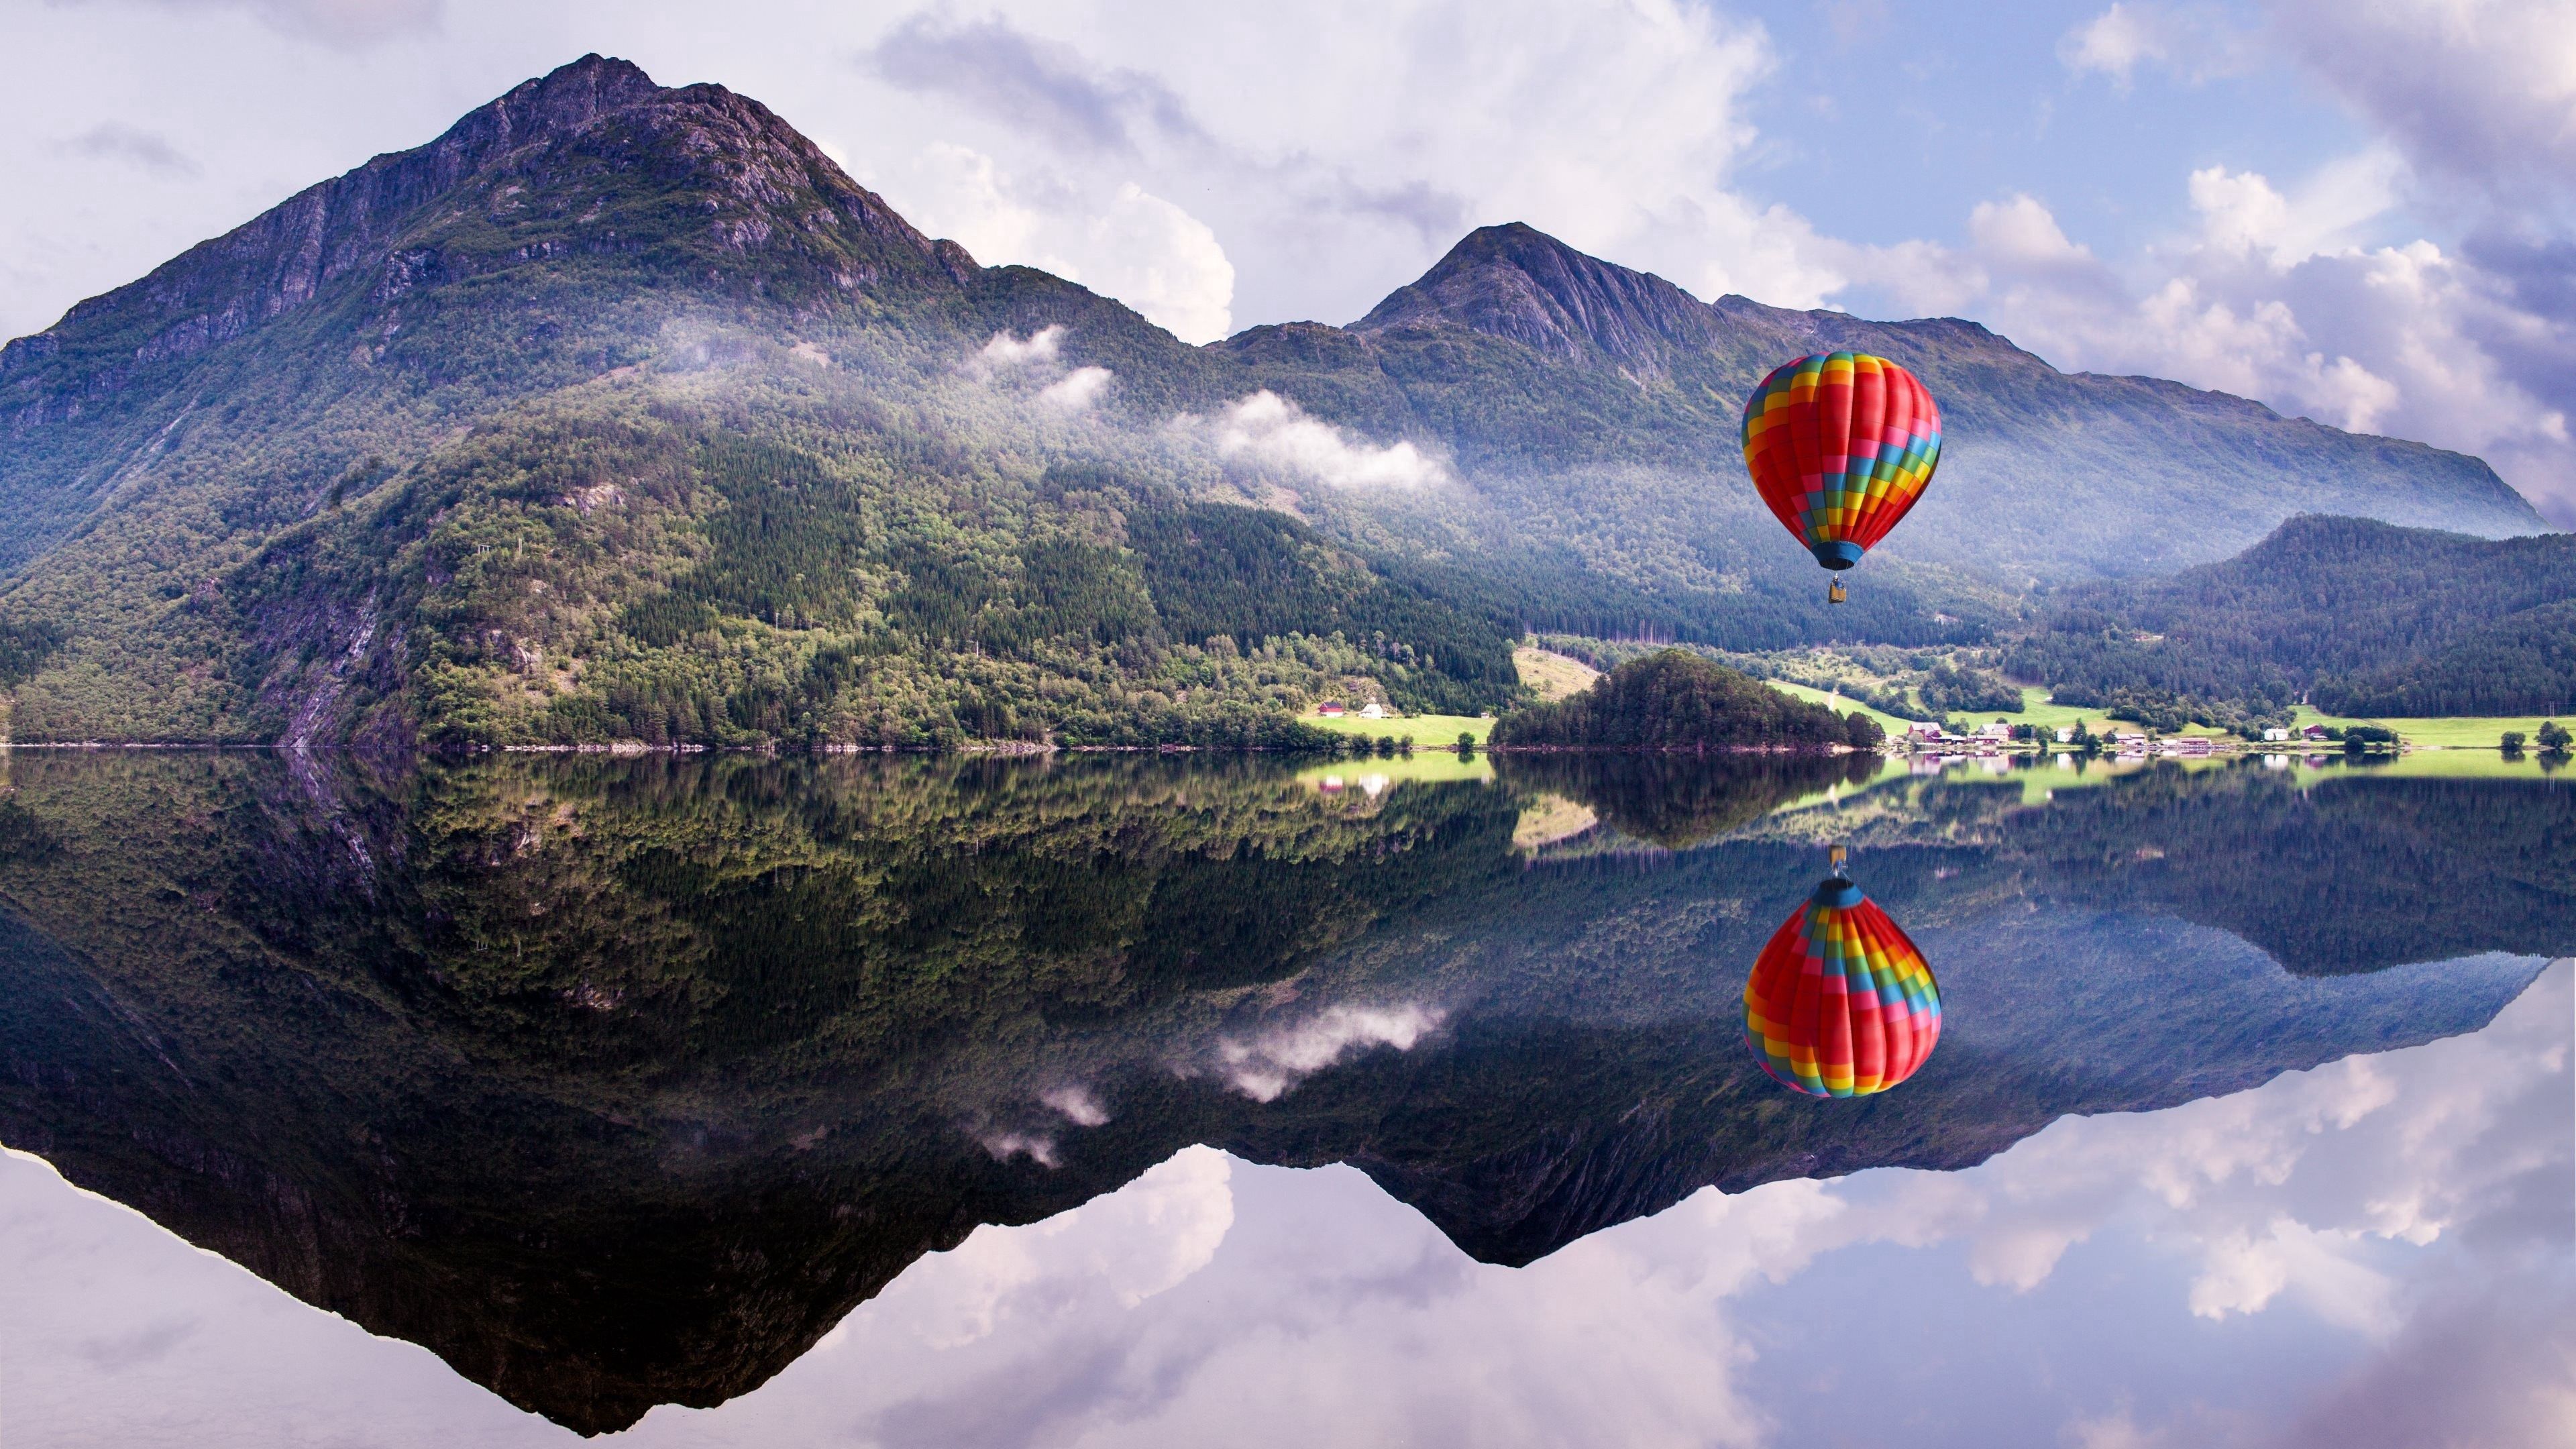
619, 411
2358, 617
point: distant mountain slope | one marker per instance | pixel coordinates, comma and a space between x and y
2361, 617
620, 411
2044, 474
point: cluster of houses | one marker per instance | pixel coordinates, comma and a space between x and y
1993, 739
1334, 709
1924, 737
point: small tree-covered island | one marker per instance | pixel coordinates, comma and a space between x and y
1676, 700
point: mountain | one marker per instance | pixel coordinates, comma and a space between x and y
619, 411
2358, 616
620, 1082
1516, 350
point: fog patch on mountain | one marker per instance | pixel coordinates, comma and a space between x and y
1268, 433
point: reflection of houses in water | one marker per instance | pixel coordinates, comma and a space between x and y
2276, 762
2188, 747
1994, 764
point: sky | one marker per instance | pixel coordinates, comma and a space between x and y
2361, 211
2370, 1253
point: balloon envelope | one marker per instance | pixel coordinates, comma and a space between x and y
1841, 1004
1840, 445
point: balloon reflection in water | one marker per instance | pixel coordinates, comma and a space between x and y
1841, 1004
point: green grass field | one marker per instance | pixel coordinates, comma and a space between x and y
2036, 710
1843, 705
2461, 733
1552, 676
1427, 731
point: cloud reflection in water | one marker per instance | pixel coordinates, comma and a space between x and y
2373, 1252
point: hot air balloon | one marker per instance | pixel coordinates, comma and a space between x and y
1840, 445
1841, 1004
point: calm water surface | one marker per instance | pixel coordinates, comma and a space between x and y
1134, 1101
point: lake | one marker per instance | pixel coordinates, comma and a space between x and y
1173, 1100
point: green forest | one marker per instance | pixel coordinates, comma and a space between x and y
2354, 616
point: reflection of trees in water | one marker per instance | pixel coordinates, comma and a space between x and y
2351, 874
1678, 801
615, 1082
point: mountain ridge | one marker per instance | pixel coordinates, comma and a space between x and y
467, 344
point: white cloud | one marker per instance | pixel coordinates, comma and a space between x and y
1163, 262
1076, 390
1006, 353
344, 23
1037, 360
1076, 1105
1119, 240
2483, 91
150, 150
1269, 1064
2112, 43
1366, 140
2269, 298
1268, 433
1037, 1147
2197, 42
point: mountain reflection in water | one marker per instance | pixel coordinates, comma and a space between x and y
617, 1083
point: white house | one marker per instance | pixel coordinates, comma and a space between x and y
2066, 734
1996, 731
1373, 710
2275, 736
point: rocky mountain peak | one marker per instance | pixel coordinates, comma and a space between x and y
593, 158
1517, 282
